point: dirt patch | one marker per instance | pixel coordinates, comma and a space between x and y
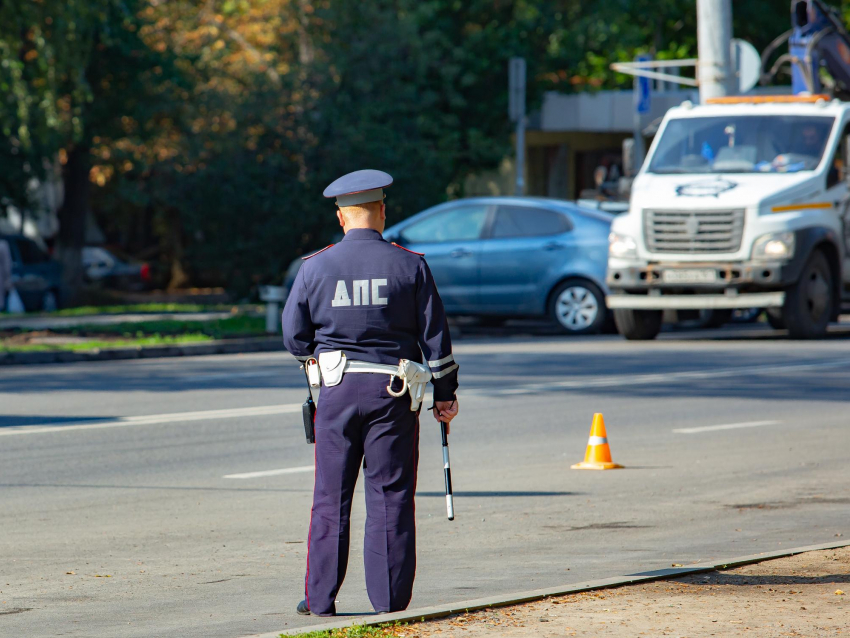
796, 596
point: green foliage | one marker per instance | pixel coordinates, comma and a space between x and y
357, 631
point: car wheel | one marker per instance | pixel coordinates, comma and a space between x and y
578, 307
809, 301
638, 325
50, 301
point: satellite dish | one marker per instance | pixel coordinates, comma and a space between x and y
747, 64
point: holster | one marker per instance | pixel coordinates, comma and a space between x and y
308, 413
308, 409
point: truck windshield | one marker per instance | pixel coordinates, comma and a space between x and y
742, 144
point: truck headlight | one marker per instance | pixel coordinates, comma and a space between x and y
774, 246
621, 246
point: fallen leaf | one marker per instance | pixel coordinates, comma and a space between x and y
71, 573
838, 592
678, 565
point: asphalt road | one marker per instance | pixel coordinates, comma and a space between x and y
120, 514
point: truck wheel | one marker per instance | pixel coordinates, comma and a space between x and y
809, 301
638, 325
578, 307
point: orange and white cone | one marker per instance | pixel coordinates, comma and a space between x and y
598, 455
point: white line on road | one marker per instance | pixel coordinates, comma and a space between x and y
177, 417
726, 426
626, 380
286, 470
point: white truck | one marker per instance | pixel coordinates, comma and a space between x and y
741, 203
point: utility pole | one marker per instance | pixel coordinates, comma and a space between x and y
714, 43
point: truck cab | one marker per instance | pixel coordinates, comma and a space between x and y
741, 203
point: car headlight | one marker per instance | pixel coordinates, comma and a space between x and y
621, 246
774, 246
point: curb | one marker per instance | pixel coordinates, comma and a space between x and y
441, 611
223, 346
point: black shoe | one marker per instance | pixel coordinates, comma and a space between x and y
302, 608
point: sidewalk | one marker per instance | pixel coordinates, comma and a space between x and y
797, 596
793, 596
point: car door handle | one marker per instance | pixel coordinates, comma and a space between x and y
460, 252
553, 245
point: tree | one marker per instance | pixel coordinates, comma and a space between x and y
76, 72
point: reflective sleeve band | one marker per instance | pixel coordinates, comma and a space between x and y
439, 362
597, 440
442, 373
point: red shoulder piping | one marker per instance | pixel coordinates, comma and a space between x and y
317, 252
410, 251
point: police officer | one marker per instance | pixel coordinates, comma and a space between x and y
377, 303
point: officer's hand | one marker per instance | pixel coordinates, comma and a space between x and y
445, 411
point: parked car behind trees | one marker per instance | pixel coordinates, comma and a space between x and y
37, 277
101, 266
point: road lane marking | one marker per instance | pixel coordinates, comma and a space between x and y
726, 426
286, 470
155, 419
626, 380
218, 376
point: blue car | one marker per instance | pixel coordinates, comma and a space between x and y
501, 257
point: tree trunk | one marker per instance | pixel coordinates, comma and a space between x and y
72, 221
179, 278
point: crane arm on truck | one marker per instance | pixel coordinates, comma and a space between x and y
817, 39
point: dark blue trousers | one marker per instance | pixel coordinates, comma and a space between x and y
358, 421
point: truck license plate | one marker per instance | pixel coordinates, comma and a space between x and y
690, 276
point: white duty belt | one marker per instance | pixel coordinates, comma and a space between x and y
331, 366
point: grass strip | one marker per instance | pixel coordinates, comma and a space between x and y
388, 630
94, 344
235, 326
136, 308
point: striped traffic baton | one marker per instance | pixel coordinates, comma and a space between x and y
447, 470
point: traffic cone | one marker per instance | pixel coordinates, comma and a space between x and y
598, 455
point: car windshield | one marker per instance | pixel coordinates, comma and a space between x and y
742, 144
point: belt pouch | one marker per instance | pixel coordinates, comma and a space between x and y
332, 365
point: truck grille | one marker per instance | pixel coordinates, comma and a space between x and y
702, 231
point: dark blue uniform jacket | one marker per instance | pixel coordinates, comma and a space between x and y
374, 301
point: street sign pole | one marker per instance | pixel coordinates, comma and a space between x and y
516, 112
642, 96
